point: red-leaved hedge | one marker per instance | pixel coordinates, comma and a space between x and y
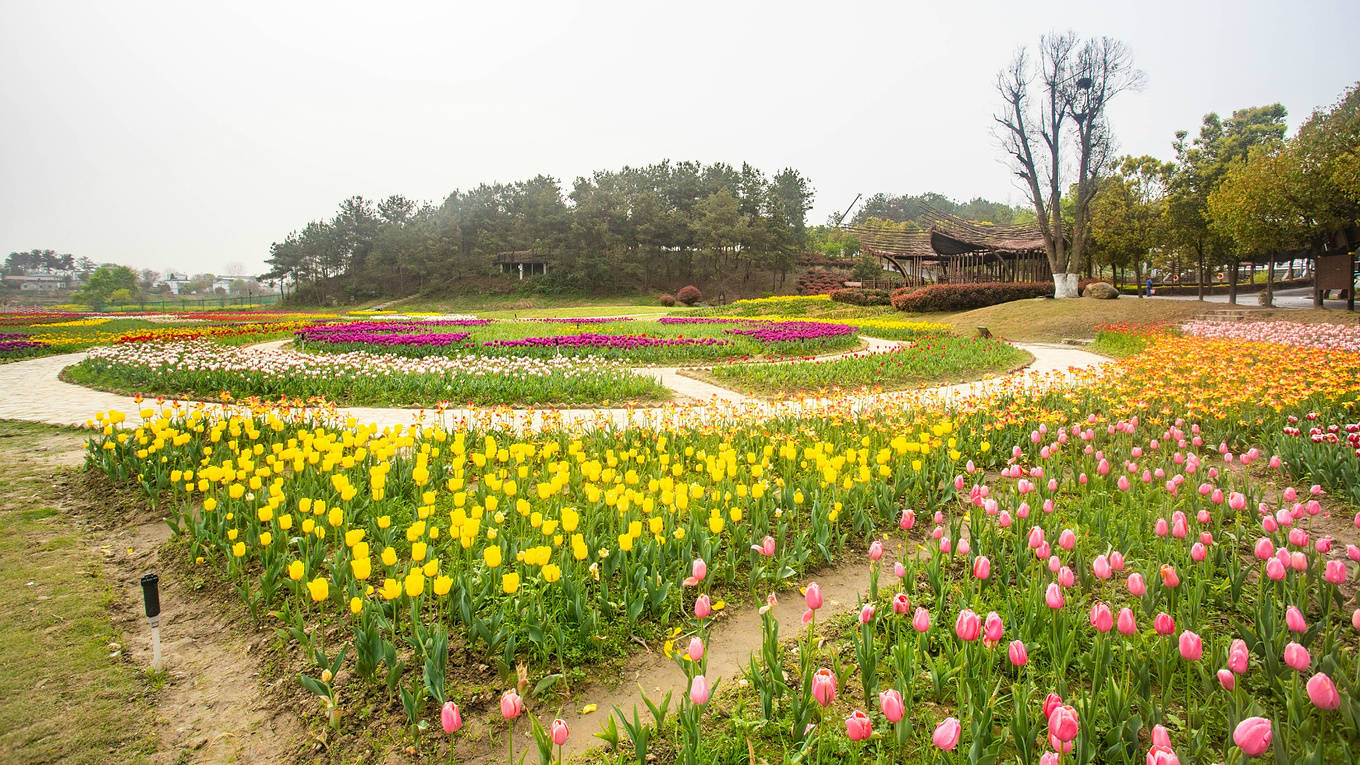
964, 297
689, 295
817, 282
855, 296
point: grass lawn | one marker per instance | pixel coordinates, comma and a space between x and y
62, 698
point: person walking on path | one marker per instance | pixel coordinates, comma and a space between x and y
1149, 287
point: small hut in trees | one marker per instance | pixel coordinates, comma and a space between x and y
951, 249
523, 262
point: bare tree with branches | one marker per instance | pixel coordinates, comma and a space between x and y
1076, 80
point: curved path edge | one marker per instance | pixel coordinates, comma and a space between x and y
33, 391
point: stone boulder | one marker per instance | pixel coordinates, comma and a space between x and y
1101, 291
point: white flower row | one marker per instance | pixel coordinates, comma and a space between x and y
207, 357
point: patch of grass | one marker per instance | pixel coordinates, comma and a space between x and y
62, 697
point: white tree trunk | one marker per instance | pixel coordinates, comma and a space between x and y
1065, 286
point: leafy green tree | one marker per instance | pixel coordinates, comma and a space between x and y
1128, 216
108, 283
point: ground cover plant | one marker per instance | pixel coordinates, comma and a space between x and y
928, 359
1097, 572
207, 370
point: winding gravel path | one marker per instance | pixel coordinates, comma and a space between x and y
32, 391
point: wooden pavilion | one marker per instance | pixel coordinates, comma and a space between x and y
951, 249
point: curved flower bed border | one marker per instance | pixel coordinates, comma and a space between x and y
590, 340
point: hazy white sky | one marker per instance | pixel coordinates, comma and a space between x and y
178, 135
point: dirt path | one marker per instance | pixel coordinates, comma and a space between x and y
212, 707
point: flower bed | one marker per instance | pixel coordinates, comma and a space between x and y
794, 331
204, 369
1343, 337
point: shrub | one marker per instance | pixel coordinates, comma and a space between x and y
667, 300
861, 297
818, 282
689, 294
963, 297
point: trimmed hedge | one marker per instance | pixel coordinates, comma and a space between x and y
862, 296
818, 282
964, 297
689, 295
667, 300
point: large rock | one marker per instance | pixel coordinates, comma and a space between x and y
1101, 291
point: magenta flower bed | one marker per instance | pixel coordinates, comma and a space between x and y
699, 320
588, 340
587, 320
13, 336
391, 333
18, 345
794, 331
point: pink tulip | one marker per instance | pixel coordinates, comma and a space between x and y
450, 717
1101, 618
1063, 726
1127, 624
1296, 656
1036, 537
1227, 679
1253, 736
1164, 624
857, 726
890, 703
1017, 653
1054, 597
1170, 578
559, 731
920, 621
1162, 755
1101, 567
982, 567
964, 547
899, 570
1238, 656
1066, 577
1355, 619
824, 687
696, 648
511, 705
1198, 552
947, 734
1293, 619
813, 596
908, 520
1264, 548
1123, 483
1322, 692
1050, 758
766, 547
1136, 584
698, 690
1275, 570
1067, 539
992, 629
702, 607
875, 550
901, 604
866, 614
968, 626
1191, 645
1051, 702
698, 571
1335, 571
1117, 560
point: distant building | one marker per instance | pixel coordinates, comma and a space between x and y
174, 281
42, 280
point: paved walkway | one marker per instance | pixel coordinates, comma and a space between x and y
33, 391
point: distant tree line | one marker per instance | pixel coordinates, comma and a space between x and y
1236, 192
630, 229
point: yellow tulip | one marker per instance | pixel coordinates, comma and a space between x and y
362, 568
296, 570
319, 589
510, 583
442, 585
551, 573
492, 556
415, 584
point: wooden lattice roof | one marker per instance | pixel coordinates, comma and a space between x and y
949, 235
